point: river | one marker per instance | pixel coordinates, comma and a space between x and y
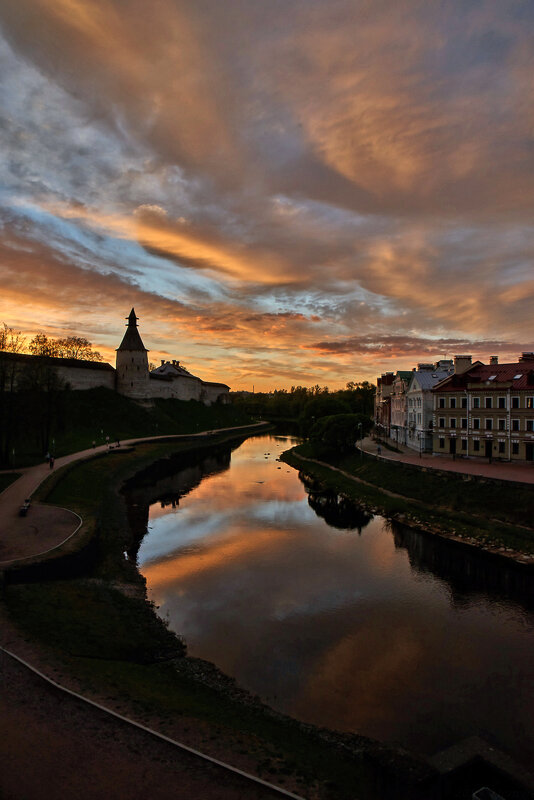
336, 617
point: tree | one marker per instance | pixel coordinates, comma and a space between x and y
340, 432
322, 405
78, 347
41, 392
11, 342
69, 347
41, 345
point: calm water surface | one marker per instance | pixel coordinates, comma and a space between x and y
364, 627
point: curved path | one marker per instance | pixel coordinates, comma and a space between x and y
56, 743
47, 527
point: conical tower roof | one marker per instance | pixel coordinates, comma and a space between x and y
132, 339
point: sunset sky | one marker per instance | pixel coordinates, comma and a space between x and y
296, 192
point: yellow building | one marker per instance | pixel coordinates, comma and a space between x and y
486, 410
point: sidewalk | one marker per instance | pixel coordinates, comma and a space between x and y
499, 470
46, 527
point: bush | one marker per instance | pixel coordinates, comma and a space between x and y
339, 432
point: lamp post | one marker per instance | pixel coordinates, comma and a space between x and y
360, 438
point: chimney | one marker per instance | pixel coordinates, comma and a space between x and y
461, 364
162, 362
494, 359
527, 357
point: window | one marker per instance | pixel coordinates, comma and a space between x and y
515, 402
476, 402
476, 424
502, 402
515, 424
502, 424
530, 425
489, 424
441, 442
476, 445
489, 402
464, 444
501, 447
453, 402
419, 415
441, 422
464, 402
442, 402
464, 422
530, 402
452, 422
515, 448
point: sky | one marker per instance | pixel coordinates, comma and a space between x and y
289, 193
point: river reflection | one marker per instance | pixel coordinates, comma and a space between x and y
351, 624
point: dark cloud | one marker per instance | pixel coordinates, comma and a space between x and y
400, 346
268, 176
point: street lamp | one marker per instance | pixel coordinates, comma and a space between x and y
360, 437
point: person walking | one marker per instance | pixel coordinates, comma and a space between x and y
51, 462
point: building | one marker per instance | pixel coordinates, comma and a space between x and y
130, 377
399, 418
384, 387
420, 403
486, 410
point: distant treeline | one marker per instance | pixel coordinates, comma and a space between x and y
306, 405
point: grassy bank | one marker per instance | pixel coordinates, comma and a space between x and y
489, 514
6, 478
102, 631
95, 414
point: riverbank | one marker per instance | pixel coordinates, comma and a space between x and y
496, 518
96, 630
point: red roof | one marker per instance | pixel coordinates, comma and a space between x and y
492, 376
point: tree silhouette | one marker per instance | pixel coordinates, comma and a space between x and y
69, 347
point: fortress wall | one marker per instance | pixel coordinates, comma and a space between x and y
214, 393
86, 378
179, 389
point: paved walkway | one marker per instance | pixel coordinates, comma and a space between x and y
46, 527
501, 470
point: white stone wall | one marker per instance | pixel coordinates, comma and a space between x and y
180, 388
213, 393
87, 378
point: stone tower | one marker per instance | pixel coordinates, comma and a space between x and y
132, 363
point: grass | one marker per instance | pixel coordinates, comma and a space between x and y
86, 619
94, 414
470, 507
7, 478
118, 648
